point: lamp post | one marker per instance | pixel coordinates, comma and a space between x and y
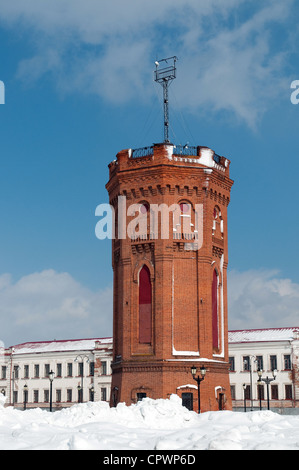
198, 379
25, 388
260, 389
82, 357
248, 362
267, 381
51, 378
79, 388
244, 388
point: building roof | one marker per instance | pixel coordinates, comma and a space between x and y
89, 344
63, 345
262, 335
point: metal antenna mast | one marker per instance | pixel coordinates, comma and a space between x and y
164, 75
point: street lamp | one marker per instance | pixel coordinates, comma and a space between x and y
25, 388
79, 388
267, 381
51, 378
260, 391
244, 388
248, 362
82, 357
198, 379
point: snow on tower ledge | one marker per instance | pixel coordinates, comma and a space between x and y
199, 156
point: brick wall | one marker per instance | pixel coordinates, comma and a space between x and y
181, 279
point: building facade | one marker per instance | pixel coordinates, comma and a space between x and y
169, 257
29, 364
81, 372
267, 350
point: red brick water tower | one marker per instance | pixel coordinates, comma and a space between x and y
170, 274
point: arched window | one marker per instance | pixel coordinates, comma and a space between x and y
217, 230
215, 334
145, 306
183, 228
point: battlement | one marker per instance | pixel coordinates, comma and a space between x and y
165, 153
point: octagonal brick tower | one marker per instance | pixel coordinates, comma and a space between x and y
170, 292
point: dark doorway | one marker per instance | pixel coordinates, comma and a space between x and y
221, 401
140, 396
187, 400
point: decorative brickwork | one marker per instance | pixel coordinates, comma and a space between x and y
156, 359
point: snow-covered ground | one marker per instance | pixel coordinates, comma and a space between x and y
148, 425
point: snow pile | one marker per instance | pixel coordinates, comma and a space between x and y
148, 425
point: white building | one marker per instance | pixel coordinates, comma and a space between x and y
77, 365
265, 349
86, 364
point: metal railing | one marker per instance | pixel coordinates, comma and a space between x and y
178, 150
142, 152
185, 150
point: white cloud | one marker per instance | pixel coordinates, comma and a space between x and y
48, 305
262, 299
236, 69
108, 48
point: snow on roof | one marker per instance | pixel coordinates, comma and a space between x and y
234, 336
267, 334
62, 345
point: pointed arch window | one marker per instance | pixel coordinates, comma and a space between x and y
217, 229
145, 306
183, 222
215, 327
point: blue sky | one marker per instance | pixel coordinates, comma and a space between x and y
79, 87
